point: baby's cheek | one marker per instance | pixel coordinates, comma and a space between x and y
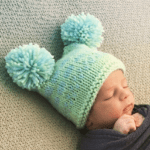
115, 114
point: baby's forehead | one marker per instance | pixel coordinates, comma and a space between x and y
116, 77
110, 84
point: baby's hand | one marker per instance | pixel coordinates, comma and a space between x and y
125, 124
128, 123
138, 119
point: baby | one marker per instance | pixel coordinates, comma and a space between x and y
86, 86
113, 106
113, 116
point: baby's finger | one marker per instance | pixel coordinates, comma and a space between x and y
133, 129
138, 119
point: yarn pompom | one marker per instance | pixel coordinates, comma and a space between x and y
29, 66
82, 29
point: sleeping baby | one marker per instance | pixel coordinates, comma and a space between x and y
86, 86
113, 106
114, 116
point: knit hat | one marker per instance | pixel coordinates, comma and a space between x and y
72, 83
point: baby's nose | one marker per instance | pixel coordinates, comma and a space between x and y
124, 95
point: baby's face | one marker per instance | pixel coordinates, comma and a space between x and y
111, 101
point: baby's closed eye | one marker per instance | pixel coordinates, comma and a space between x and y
113, 94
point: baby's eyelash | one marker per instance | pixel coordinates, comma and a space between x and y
108, 98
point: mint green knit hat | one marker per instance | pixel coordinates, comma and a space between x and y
72, 83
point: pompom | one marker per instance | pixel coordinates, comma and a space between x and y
82, 29
29, 66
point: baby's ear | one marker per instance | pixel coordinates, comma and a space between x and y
89, 123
